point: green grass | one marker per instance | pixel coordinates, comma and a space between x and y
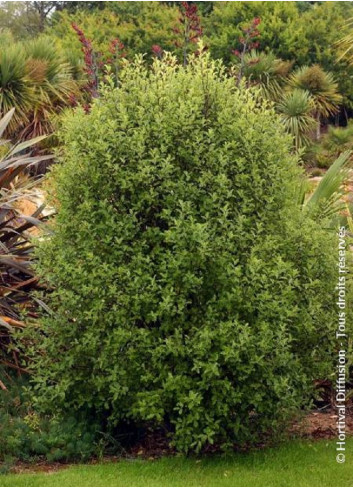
291, 464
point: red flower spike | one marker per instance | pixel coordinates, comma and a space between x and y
157, 51
191, 30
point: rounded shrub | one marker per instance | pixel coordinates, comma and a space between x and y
191, 291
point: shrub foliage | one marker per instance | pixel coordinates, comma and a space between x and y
191, 290
30, 437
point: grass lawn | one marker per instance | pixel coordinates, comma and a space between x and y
297, 463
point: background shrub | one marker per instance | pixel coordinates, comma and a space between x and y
191, 290
333, 143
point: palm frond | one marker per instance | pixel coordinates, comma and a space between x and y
327, 199
345, 44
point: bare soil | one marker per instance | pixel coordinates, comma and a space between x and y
321, 425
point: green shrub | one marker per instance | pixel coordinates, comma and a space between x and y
316, 172
333, 143
190, 289
52, 439
26, 435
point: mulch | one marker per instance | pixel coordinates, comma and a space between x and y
321, 425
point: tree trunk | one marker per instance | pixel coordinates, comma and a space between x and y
318, 127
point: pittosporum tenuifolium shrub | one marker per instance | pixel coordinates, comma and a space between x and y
191, 291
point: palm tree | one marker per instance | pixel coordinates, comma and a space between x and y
295, 109
322, 88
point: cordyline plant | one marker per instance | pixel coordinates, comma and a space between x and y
37, 81
266, 71
17, 278
322, 88
189, 28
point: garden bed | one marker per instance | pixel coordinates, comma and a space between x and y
292, 464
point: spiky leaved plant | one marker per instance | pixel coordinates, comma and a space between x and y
295, 109
345, 44
15, 87
53, 85
36, 81
322, 88
328, 201
17, 279
267, 72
